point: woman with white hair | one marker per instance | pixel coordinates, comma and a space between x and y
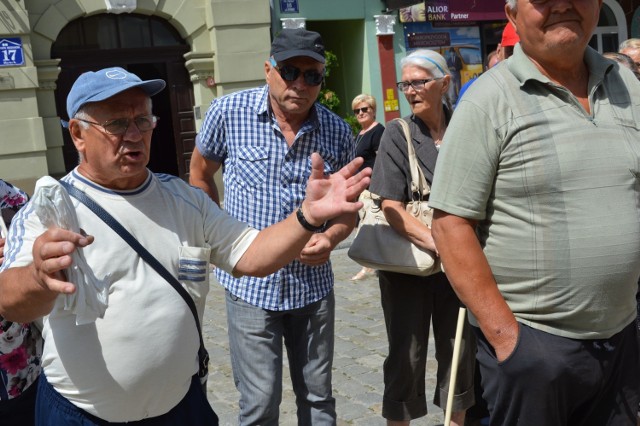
410, 303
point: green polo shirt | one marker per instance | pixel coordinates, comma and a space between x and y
555, 191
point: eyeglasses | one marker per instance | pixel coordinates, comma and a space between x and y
364, 110
415, 84
119, 126
291, 73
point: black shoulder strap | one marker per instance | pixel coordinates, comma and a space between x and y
203, 356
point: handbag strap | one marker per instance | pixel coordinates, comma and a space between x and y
147, 257
419, 184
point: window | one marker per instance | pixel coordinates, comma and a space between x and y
611, 29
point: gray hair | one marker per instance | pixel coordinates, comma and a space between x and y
82, 114
427, 59
512, 4
632, 43
432, 62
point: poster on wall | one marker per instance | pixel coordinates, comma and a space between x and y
458, 44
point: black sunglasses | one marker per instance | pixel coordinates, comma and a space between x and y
291, 73
364, 110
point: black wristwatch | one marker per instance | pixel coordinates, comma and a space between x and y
306, 225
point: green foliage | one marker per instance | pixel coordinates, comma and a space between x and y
328, 97
330, 62
353, 122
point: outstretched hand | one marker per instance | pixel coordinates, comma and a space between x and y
336, 194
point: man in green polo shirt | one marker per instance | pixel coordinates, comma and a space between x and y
537, 195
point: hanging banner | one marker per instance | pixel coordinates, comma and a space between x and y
454, 11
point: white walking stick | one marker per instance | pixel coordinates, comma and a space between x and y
454, 365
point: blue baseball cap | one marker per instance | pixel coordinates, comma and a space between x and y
100, 85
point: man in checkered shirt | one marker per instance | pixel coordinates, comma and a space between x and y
263, 139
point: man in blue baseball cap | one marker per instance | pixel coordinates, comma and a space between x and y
139, 361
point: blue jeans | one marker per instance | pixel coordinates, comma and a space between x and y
255, 340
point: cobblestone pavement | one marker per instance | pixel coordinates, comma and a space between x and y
360, 349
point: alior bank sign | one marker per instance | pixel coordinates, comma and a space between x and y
454, 11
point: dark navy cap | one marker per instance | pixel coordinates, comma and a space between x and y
100, 85
297, 42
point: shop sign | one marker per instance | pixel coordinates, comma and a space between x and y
454, 11
11, 53
476, 10
435, 39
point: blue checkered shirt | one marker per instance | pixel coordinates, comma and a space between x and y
265, 181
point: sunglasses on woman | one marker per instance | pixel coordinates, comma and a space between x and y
291, 73
364, 110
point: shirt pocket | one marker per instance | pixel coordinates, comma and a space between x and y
252, 165
193, 273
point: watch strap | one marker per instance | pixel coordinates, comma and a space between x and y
306, 225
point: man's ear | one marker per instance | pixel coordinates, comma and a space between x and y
77, 135
511, 16
267, 68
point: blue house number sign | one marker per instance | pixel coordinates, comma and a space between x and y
289, 6
11, 53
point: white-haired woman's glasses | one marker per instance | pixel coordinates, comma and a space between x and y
416, 84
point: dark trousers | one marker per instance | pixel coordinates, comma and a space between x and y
52, 409
410, 305
555, 381
20, 411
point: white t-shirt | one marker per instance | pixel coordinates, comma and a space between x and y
138, 360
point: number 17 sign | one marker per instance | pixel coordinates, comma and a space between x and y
11, 53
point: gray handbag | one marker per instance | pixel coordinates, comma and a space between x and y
377, 245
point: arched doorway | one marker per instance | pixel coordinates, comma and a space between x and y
611, 29
149, 47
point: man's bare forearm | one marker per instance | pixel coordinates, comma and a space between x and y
470, 275
340, 228
22, 299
